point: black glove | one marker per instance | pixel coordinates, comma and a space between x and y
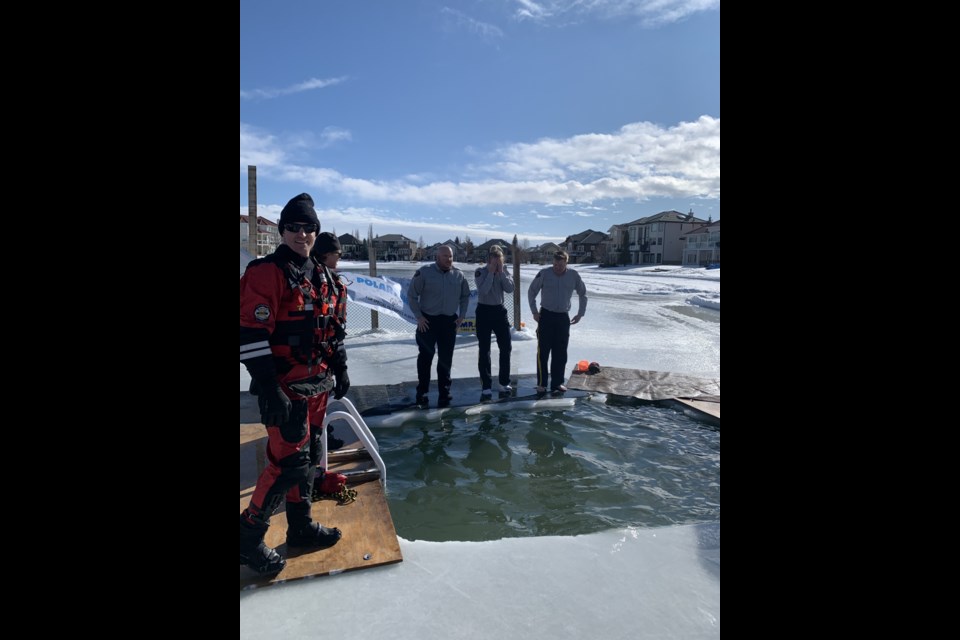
343, 383
339, 358
275, 406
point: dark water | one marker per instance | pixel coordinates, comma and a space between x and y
595, 467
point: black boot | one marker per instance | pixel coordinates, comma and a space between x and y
254, 552
303, 532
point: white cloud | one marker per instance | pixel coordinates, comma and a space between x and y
499, 214
332, 135
638, 151
384, 222
650, 13
641, 160
530, 10
259, 148
312, 83
460, 20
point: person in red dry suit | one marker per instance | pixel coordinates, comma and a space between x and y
327, 252
285, 330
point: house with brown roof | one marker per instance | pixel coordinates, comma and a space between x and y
656, 239
542, 254
481, 253
702, 245
582, 247
350, 246
268, 235
394, 246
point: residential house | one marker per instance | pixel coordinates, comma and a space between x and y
542, 254
268, 235
583, 247
656, 239
702, 245
481, 253
613, 250
350, 247
459, 251
393, 246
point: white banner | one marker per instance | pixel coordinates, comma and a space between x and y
389, 296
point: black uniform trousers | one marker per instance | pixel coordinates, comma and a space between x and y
440, 337
553, 335
493, 317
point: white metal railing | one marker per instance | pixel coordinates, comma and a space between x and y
352, 417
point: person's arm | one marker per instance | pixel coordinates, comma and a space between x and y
582, 296
342, 302
532, 295
338, 359
414, 292
484, 280
464, 300
413, 299
506, 281
260, 289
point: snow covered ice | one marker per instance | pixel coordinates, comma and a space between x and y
624, 583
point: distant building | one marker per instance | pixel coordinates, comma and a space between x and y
350, 246
459, 251
481, 253
656, 239
702, 245
393, 246
542, 254
613, 250
582, 247
268, 235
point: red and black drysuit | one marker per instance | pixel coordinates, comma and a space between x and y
290, 341
334, 302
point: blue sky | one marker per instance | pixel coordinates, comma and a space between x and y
481, 118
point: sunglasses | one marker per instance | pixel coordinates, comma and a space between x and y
308, 227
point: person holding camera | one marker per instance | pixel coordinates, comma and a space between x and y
327, 251
492, 282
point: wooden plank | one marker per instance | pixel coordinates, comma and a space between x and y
369, 537
251, 432
712, 409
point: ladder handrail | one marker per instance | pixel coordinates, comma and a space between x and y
352, 417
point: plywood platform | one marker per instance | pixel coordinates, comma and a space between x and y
645, 385
369, 538
704, 408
